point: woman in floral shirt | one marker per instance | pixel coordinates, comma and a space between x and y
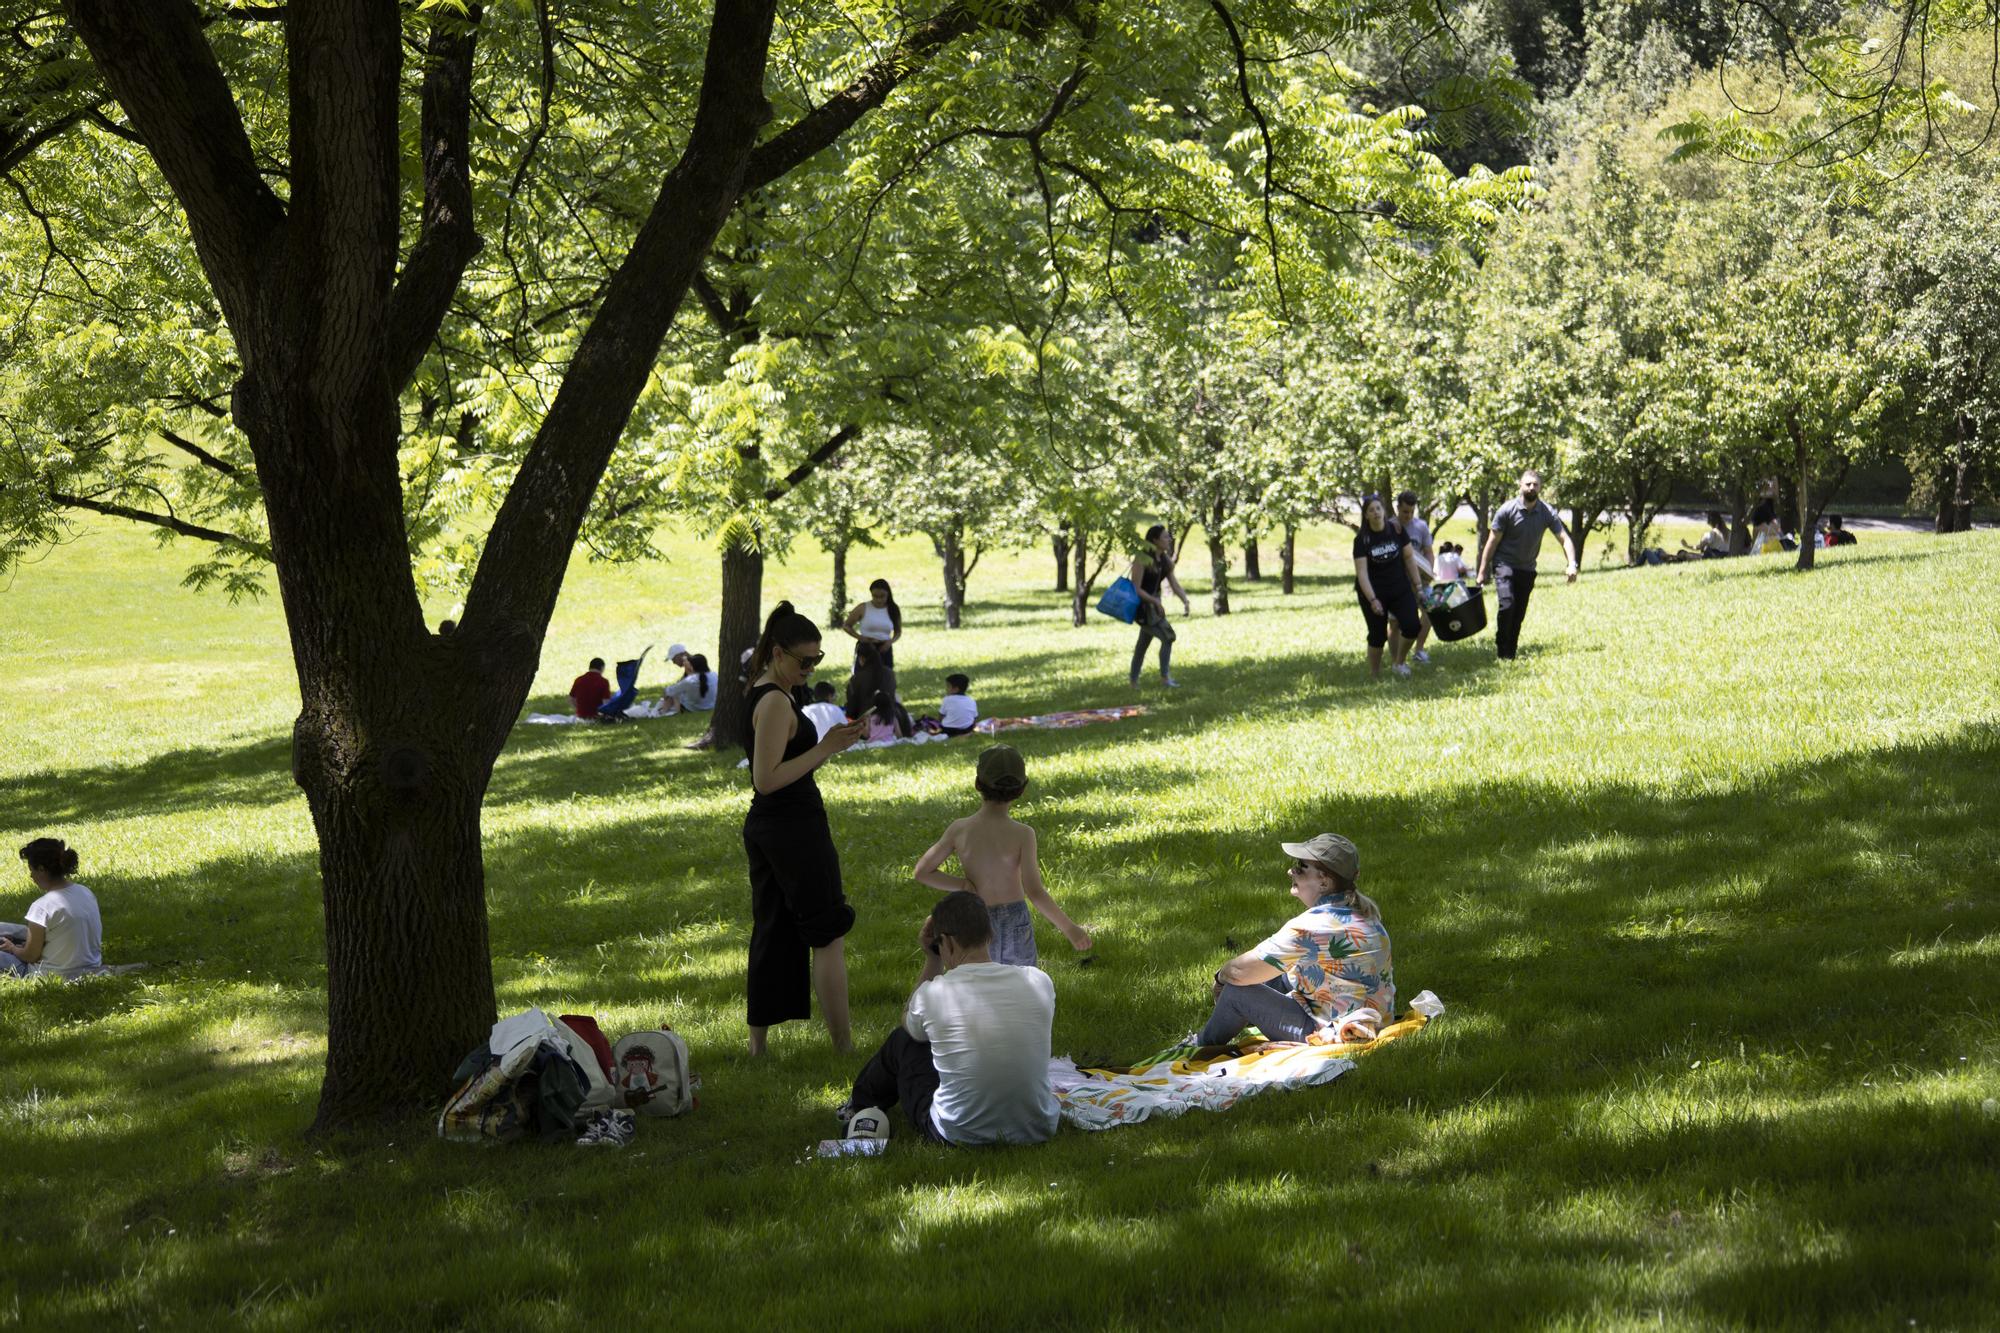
1326, 970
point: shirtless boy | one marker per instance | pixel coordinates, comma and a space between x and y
997, 855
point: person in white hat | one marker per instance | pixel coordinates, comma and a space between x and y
1326, 970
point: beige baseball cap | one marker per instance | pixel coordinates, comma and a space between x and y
1329, 849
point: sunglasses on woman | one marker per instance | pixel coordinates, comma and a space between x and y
807, 662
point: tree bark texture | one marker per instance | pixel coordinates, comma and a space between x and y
1252, 562
950, 546
1079, 602
1218, 560
742, 622
1288, 558
1061, 544
836, 607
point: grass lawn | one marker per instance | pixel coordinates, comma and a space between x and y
1706, 880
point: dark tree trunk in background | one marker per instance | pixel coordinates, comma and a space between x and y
1956, 513
1061, 543
1482, 517
1289, 557
742, 622
836, 607
1079, 602
1582, 523
1739, 516
950, 547
1252, 567
1218, 563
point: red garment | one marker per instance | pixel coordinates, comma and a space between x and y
589, 691
584, 1026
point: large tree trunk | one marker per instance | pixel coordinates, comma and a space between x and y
742, 622
1061, 543
1252, 565
1289, 557
1961, 477
836, 607
1482, 519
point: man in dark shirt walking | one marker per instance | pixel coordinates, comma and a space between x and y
1511, 552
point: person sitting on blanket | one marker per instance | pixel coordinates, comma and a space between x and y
970, 1062
589, 691
958, 713
694, 691
825, 711
64, 934
1326, 970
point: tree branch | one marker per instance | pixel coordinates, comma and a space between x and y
527, 550
833, 445
200, 455
1263, 129
448, 241
828, 121
167, 521
157, 64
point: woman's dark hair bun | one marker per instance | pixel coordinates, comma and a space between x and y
51, 856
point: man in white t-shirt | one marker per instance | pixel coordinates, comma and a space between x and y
64, 934
970, 1062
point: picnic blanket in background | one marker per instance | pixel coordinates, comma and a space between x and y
1179, 1079
1080, 717
637, 712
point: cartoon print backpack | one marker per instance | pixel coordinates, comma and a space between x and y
650, 1069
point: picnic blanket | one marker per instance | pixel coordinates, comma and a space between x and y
637, 712
1181, 1078
1078, 717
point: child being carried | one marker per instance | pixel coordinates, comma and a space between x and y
998, 857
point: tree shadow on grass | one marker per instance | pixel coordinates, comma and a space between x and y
252, 772
1651, 1091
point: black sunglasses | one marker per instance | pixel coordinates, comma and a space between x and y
807, 662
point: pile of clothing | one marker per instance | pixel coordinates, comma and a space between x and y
561, 1080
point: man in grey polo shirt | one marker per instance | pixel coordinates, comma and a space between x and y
1511, 552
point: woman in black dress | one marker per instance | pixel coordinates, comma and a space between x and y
798, 914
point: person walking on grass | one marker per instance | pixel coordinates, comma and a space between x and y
997, 859
969, 1064
799, 916
1152, 570
1510, 555
64, 933
1327, 970
1385, 581
1419, 533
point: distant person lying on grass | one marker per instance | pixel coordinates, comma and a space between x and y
998, 860
969, 1063
1325, 970
1834, 532
64, 934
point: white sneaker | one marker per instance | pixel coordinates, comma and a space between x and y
1421, 656
870, 1122
1170, 682
1401, 668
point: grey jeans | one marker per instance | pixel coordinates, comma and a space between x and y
1263, 1006
1013, 934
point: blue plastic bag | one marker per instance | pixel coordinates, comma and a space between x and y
1120, 600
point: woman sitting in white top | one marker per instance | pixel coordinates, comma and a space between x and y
64, 935
695, 690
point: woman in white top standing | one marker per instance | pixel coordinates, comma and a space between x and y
64, 934
878, 621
